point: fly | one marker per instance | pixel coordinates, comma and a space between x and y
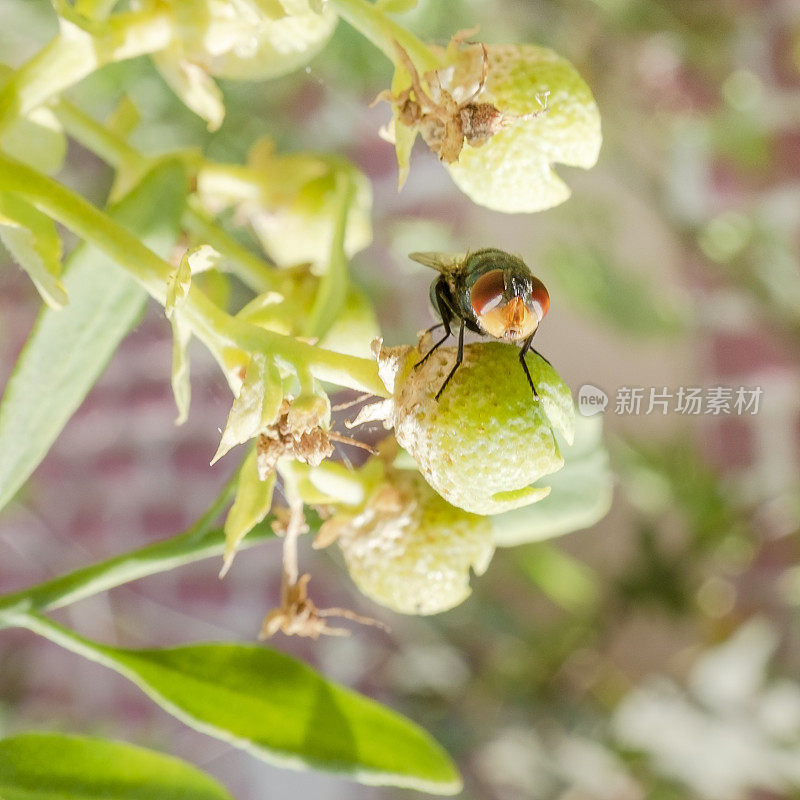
492, 293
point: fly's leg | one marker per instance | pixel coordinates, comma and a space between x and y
446, 315
459, 359
524, 349
540, 356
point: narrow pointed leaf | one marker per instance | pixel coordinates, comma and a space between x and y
252, 504
68, 349
50, 766
33, 242
256, 407
181, 385
194, 86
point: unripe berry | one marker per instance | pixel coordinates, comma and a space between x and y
412, 551
488, 438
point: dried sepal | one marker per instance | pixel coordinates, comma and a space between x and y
445, 123
499, 117
299, 616
300, 431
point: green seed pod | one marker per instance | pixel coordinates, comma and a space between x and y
410, 550
487, 438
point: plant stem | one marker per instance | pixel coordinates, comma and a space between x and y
94, 136
115, 151
248, 267
65, 638
383, 32
75, 53
201, 541
332, 292
210, 324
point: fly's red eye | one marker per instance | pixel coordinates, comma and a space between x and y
539, 301
487, 292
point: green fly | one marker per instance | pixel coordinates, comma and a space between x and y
492, 293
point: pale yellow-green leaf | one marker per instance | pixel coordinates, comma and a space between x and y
193, 85
124, 119
181, 386
202, 258
395, 6
33, 242
178, 287
251, 505
403, 144
256, 407
37, 140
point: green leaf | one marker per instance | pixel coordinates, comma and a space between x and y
68, 349
569, 582
33, 242
35, 139
51, 766
580, 493
252, 504
256, 407
276, 708
395, 6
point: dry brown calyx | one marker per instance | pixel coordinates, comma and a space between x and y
444, 123
299, 616
295, 433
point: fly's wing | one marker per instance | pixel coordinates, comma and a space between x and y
446, 263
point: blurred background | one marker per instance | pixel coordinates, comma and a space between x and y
654, 655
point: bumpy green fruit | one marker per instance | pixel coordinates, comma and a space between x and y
512, 171
487, 438
412, 551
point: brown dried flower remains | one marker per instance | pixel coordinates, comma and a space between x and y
299, 616
295, 435
444, 123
